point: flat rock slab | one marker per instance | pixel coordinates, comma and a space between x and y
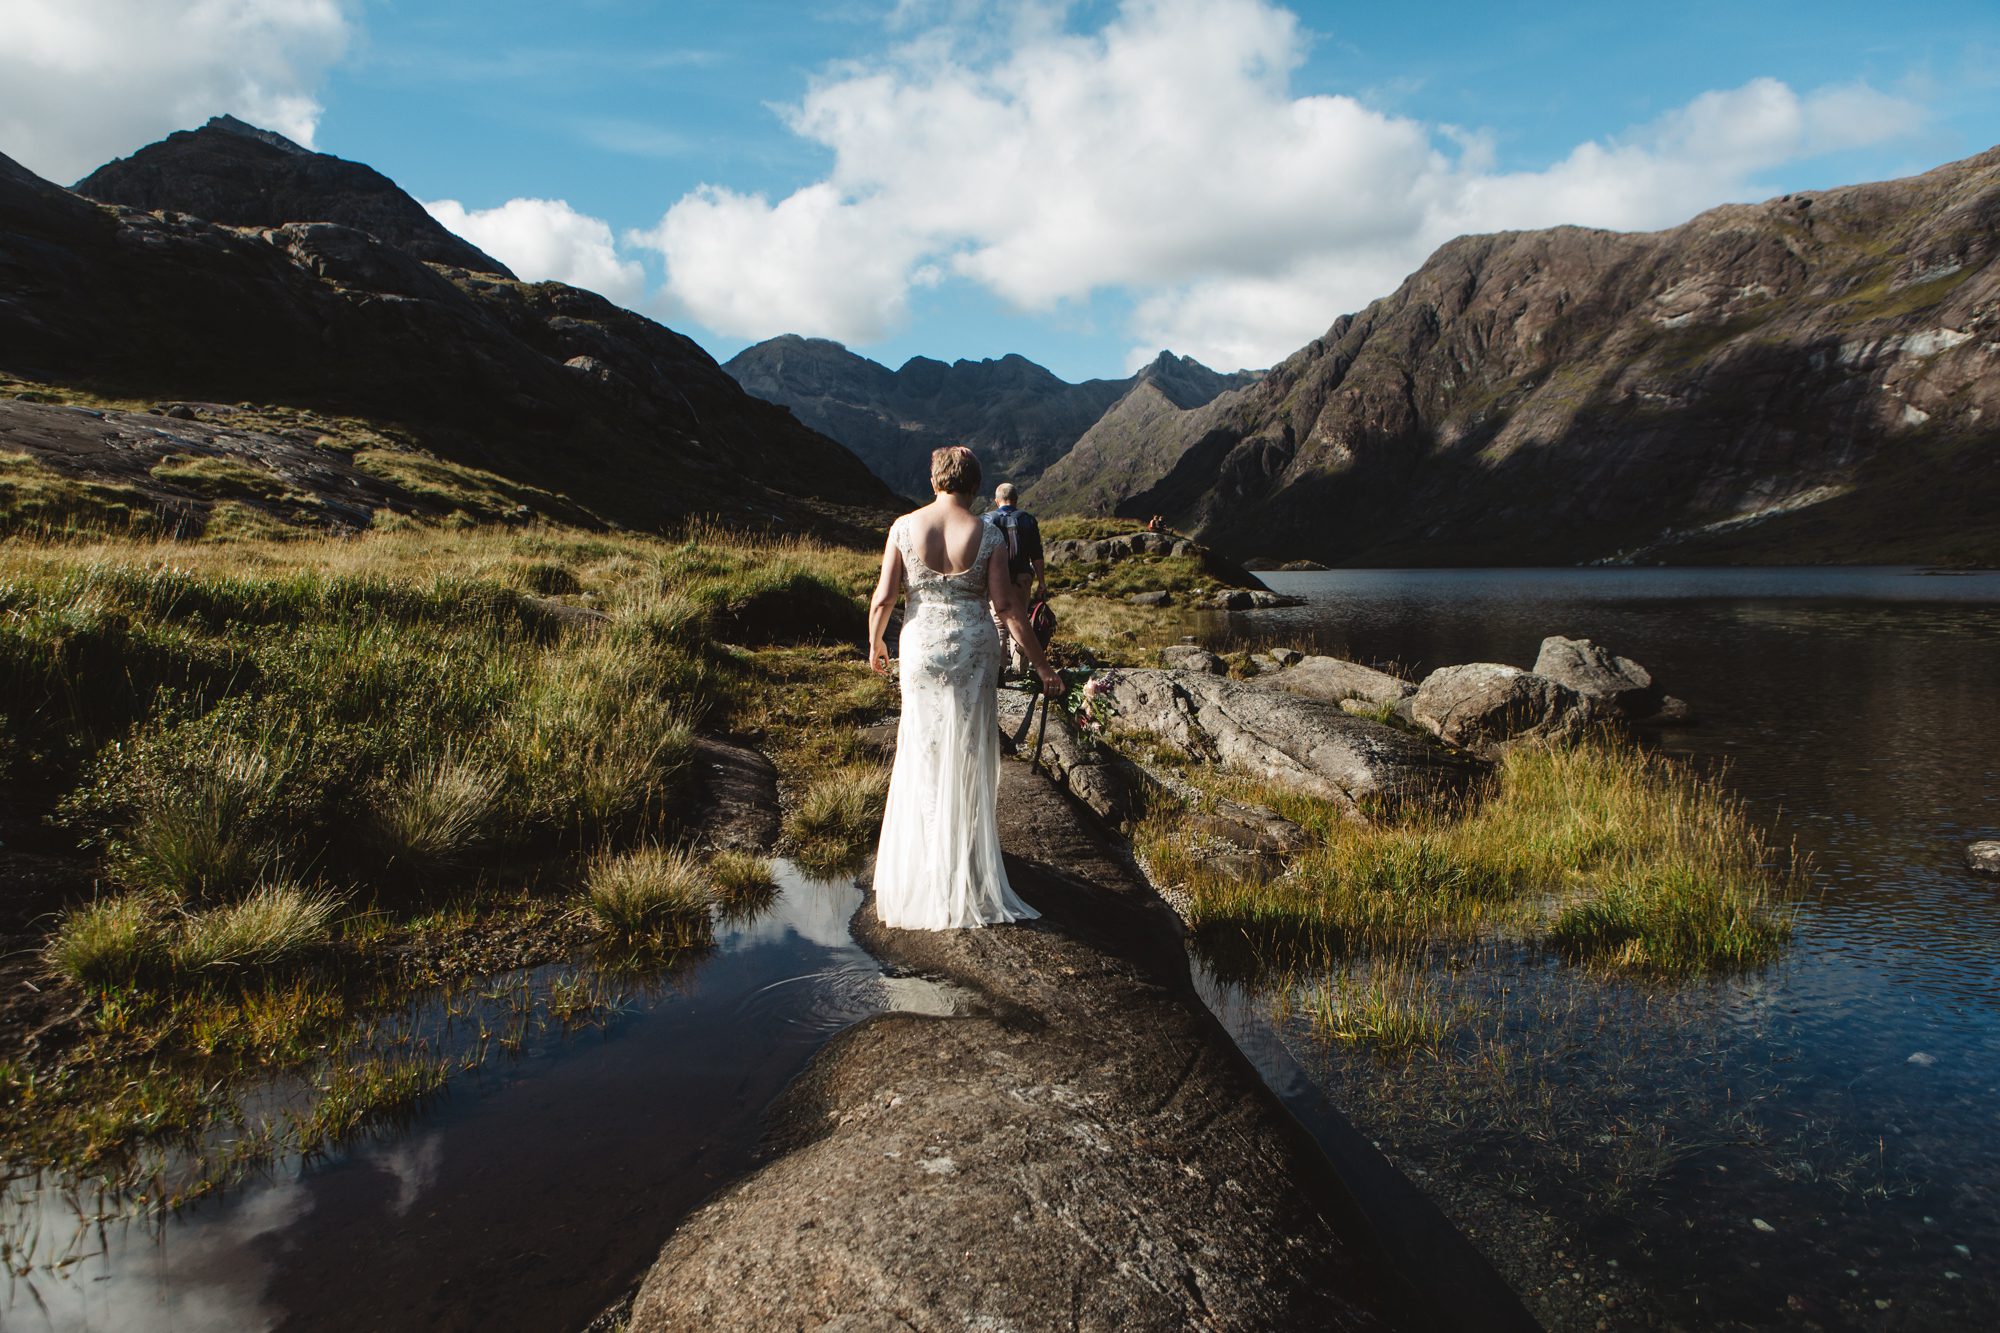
1333, 679
1983, 857
1301, 743
1089, 1152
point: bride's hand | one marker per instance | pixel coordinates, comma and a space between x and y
1052, 681
878, 656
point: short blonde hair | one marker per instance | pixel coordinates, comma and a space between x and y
954, 469
1005, 493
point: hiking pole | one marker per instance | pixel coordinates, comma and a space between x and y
1035, 765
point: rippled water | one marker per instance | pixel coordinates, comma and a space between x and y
1858, 711
531, 1196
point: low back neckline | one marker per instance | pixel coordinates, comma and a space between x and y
915, 552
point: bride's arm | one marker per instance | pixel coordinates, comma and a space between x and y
1007, 606
887, 588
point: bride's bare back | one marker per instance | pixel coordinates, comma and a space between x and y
946, 536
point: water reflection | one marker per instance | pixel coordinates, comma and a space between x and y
1858, 711
530, 1196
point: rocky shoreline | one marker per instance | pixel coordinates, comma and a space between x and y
1082, 1148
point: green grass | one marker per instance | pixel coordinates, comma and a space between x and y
1392, 1010
224, 477
838, 819
437, 811
651, 898
110, 942
743, 884
1616, 856
273, 926
38, 499
401, 718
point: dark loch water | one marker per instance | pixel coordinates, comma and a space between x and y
1855, 1085
530, 1196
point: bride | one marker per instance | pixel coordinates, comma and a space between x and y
938, 864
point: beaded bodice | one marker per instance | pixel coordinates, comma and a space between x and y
953, 594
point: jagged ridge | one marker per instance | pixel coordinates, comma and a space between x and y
1811, 378
1020, 416
542, 383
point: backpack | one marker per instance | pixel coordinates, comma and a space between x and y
1009, 524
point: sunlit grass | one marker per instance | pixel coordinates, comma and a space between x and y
274, 925
651, 898
404, 718
1618, 856
839, 818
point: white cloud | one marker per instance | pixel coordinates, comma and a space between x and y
1166, 156
546, 239
84, 81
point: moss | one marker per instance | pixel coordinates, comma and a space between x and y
38, 499
224, 477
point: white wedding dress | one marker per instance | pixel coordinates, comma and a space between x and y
938, 864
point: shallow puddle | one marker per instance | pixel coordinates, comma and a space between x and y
532, 1194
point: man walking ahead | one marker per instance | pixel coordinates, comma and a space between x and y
1024, 563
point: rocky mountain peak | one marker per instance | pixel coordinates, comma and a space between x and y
239, 175
228, 124
1807, 378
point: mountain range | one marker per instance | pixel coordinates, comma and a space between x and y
1812, 378
228, 265
1815, 378
1019, 416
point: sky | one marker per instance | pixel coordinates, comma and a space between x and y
1085, 184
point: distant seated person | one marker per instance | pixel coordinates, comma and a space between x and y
1156, 524
1024, 564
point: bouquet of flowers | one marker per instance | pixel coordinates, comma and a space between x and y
1085, 703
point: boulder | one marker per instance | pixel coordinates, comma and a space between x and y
1983, 857
1299, 743
1332, 679
1252, 599
1158, 597
1191, 657
1093, 774
1600, 675
1672, 712
1486, 706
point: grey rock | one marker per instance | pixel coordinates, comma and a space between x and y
1597, 673
1159, 597
1300, 743
1672, 712
1983, 857
1095, 775
1190, 657
1115, 1164
1287, 656
1250, 827
1486, 706
1332, 679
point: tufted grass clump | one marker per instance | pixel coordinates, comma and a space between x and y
651, 898
838, 818
201, 822
744, 884
273, 926
437, 810
111, 942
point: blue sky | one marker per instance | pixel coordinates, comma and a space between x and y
1081, 184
